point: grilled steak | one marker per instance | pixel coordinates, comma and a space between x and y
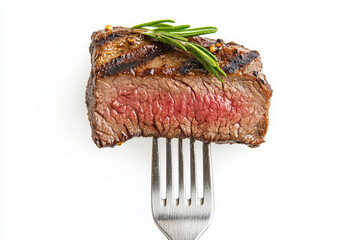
139, 86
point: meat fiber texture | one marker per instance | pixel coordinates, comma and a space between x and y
139, 86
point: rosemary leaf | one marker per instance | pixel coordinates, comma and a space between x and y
218, 77
198, 57
206, 51
203, 55
162, 25
152, 23
196, 31
202, 28
162, 38
171, 28
221, 71
173, 42
175, 36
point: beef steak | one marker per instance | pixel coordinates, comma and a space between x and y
139, 86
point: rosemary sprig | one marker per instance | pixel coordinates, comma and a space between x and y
177, 36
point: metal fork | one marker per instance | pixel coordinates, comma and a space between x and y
181, 218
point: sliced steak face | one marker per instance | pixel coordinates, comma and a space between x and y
141, 87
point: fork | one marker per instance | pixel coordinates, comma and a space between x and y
182, 218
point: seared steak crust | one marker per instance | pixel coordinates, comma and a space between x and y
139, 86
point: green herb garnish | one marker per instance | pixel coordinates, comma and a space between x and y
177, 36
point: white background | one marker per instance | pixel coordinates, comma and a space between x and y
303, 183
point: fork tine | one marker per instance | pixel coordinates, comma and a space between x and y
192, 172
169, 189
188, 218
208, 184
181, 173
155, 173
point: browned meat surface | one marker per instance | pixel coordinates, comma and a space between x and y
141, 87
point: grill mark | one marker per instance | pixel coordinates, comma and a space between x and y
131, 59
240, 61
110, 37
187, 67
